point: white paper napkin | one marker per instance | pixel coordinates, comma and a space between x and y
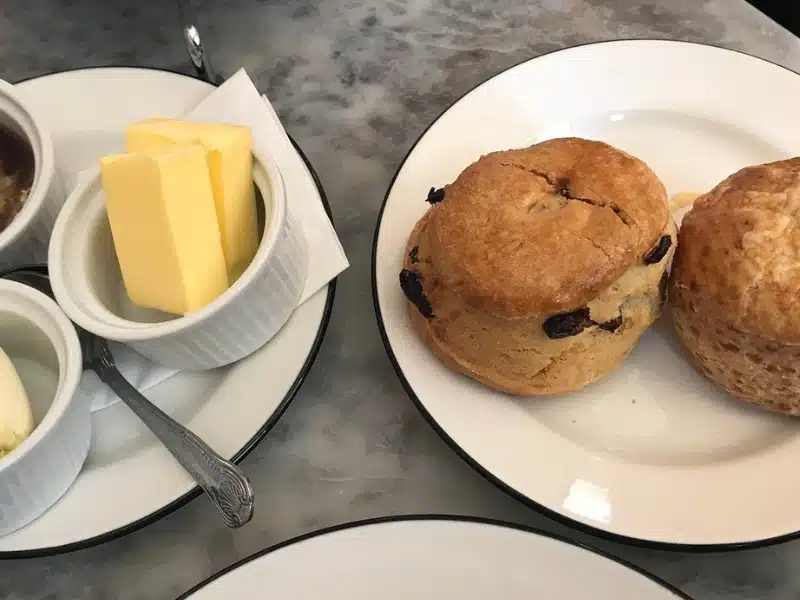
238, 102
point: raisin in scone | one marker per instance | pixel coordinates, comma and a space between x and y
735, 285
538, 269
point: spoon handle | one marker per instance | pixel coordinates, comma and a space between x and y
194, 45
223, 482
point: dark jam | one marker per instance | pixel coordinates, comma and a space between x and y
16, 174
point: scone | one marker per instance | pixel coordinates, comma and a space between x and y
538, 269
735, 285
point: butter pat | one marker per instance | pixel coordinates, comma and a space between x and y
16, 419
229, 154
161, 210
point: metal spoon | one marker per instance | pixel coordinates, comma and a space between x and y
194, 45
223, 482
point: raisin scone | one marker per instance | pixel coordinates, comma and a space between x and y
538, 269
736, 283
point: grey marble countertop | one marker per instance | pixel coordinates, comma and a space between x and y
356, 82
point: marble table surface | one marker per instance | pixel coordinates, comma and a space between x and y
356, 82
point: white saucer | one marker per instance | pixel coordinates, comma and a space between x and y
130, 480
400, 558
654, 453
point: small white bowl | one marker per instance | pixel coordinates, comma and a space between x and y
44, 347
25, 239
88, 285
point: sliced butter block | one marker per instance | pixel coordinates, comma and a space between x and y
230, 164
16, 419
161, 210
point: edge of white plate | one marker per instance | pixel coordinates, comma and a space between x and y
462, 453
434, 518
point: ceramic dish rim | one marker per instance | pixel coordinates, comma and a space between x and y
44, 172
461, 452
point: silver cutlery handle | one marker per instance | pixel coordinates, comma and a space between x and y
223, 482
194, 45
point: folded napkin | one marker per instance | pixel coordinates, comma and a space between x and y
238, 102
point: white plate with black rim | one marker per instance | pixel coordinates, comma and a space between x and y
654, 453
129, 479
427, 557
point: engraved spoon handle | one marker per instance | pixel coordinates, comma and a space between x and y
223, 482
194, 45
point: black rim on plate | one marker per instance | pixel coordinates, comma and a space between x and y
260, 434
461, 452
434, 518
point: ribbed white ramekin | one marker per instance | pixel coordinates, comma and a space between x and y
39, 471
83, 268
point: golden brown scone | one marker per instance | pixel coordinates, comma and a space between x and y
538, 269
736, 285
